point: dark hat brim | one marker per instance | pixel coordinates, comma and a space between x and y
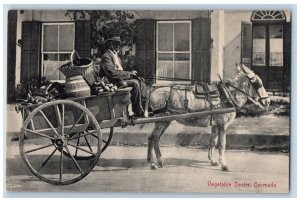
113, 39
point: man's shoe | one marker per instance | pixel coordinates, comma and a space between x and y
139, 115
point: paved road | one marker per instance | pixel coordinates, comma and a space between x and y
124, 169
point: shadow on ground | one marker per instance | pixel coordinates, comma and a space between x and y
18, 167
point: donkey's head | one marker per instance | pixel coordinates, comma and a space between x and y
250, 86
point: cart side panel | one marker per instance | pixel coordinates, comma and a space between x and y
120, 103
108, 107
99, 107
39, 122
104, 107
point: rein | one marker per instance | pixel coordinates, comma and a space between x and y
251, 98
236, 88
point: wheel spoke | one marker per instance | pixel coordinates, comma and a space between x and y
82, 149
48, 122
78, 167
83, 134
75, 123
61, 165
62, 119
40, 134
88, 144
47, 159
77, 136
39, 148
58, 115
95, 136
78, 140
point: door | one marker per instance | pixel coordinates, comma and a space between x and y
268, 54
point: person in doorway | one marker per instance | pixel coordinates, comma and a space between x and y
111, 67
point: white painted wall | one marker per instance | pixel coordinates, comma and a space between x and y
232, 38
26, 16
217, 34
170, 14
34, 15
225, 31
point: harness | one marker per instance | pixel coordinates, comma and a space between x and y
206, 93
257, 84
201, 91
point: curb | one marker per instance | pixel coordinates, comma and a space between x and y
233, 141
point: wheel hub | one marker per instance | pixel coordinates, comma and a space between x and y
60, 142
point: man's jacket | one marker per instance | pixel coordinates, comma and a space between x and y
109, 69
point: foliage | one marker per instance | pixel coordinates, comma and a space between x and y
106, 22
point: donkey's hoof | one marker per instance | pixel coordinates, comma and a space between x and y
149, 159
153, 166
160, 164
215, 163
225, 168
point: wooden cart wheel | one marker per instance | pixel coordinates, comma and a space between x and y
79, 139
105, 143
46, 136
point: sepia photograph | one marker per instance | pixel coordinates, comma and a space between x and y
148, 101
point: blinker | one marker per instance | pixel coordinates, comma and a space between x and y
256, 82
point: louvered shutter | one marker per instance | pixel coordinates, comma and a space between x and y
246, 49
201, 52
30, 54
145, 49
83, 38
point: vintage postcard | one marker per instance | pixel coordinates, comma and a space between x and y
151, 101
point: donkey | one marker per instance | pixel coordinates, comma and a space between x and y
243, 86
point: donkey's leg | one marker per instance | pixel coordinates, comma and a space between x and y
213, 140
160, 129
150, 148
222, 139
146, 110
154, 136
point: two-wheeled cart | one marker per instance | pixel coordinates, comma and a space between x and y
61, 140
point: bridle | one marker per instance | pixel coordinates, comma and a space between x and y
255, 83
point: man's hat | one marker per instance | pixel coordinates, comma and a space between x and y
113, 37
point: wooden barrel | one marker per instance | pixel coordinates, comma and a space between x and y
77, 87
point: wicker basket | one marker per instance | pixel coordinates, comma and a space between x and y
76, 66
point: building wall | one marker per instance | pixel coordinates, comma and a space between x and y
171, 14
34, 15
25, 16
217, 35
232, 38
225, 32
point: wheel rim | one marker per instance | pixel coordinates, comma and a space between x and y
46, 136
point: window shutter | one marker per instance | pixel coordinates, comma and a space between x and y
11, 54
246, 37
201, 52
145, 49
31, 43
83, 38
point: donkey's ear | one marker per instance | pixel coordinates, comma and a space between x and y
248, 71
238, 67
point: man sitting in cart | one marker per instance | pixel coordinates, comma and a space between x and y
112, 68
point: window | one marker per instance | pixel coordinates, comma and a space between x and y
276, 45
173, 52
57, 46
268, 38
259, 46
